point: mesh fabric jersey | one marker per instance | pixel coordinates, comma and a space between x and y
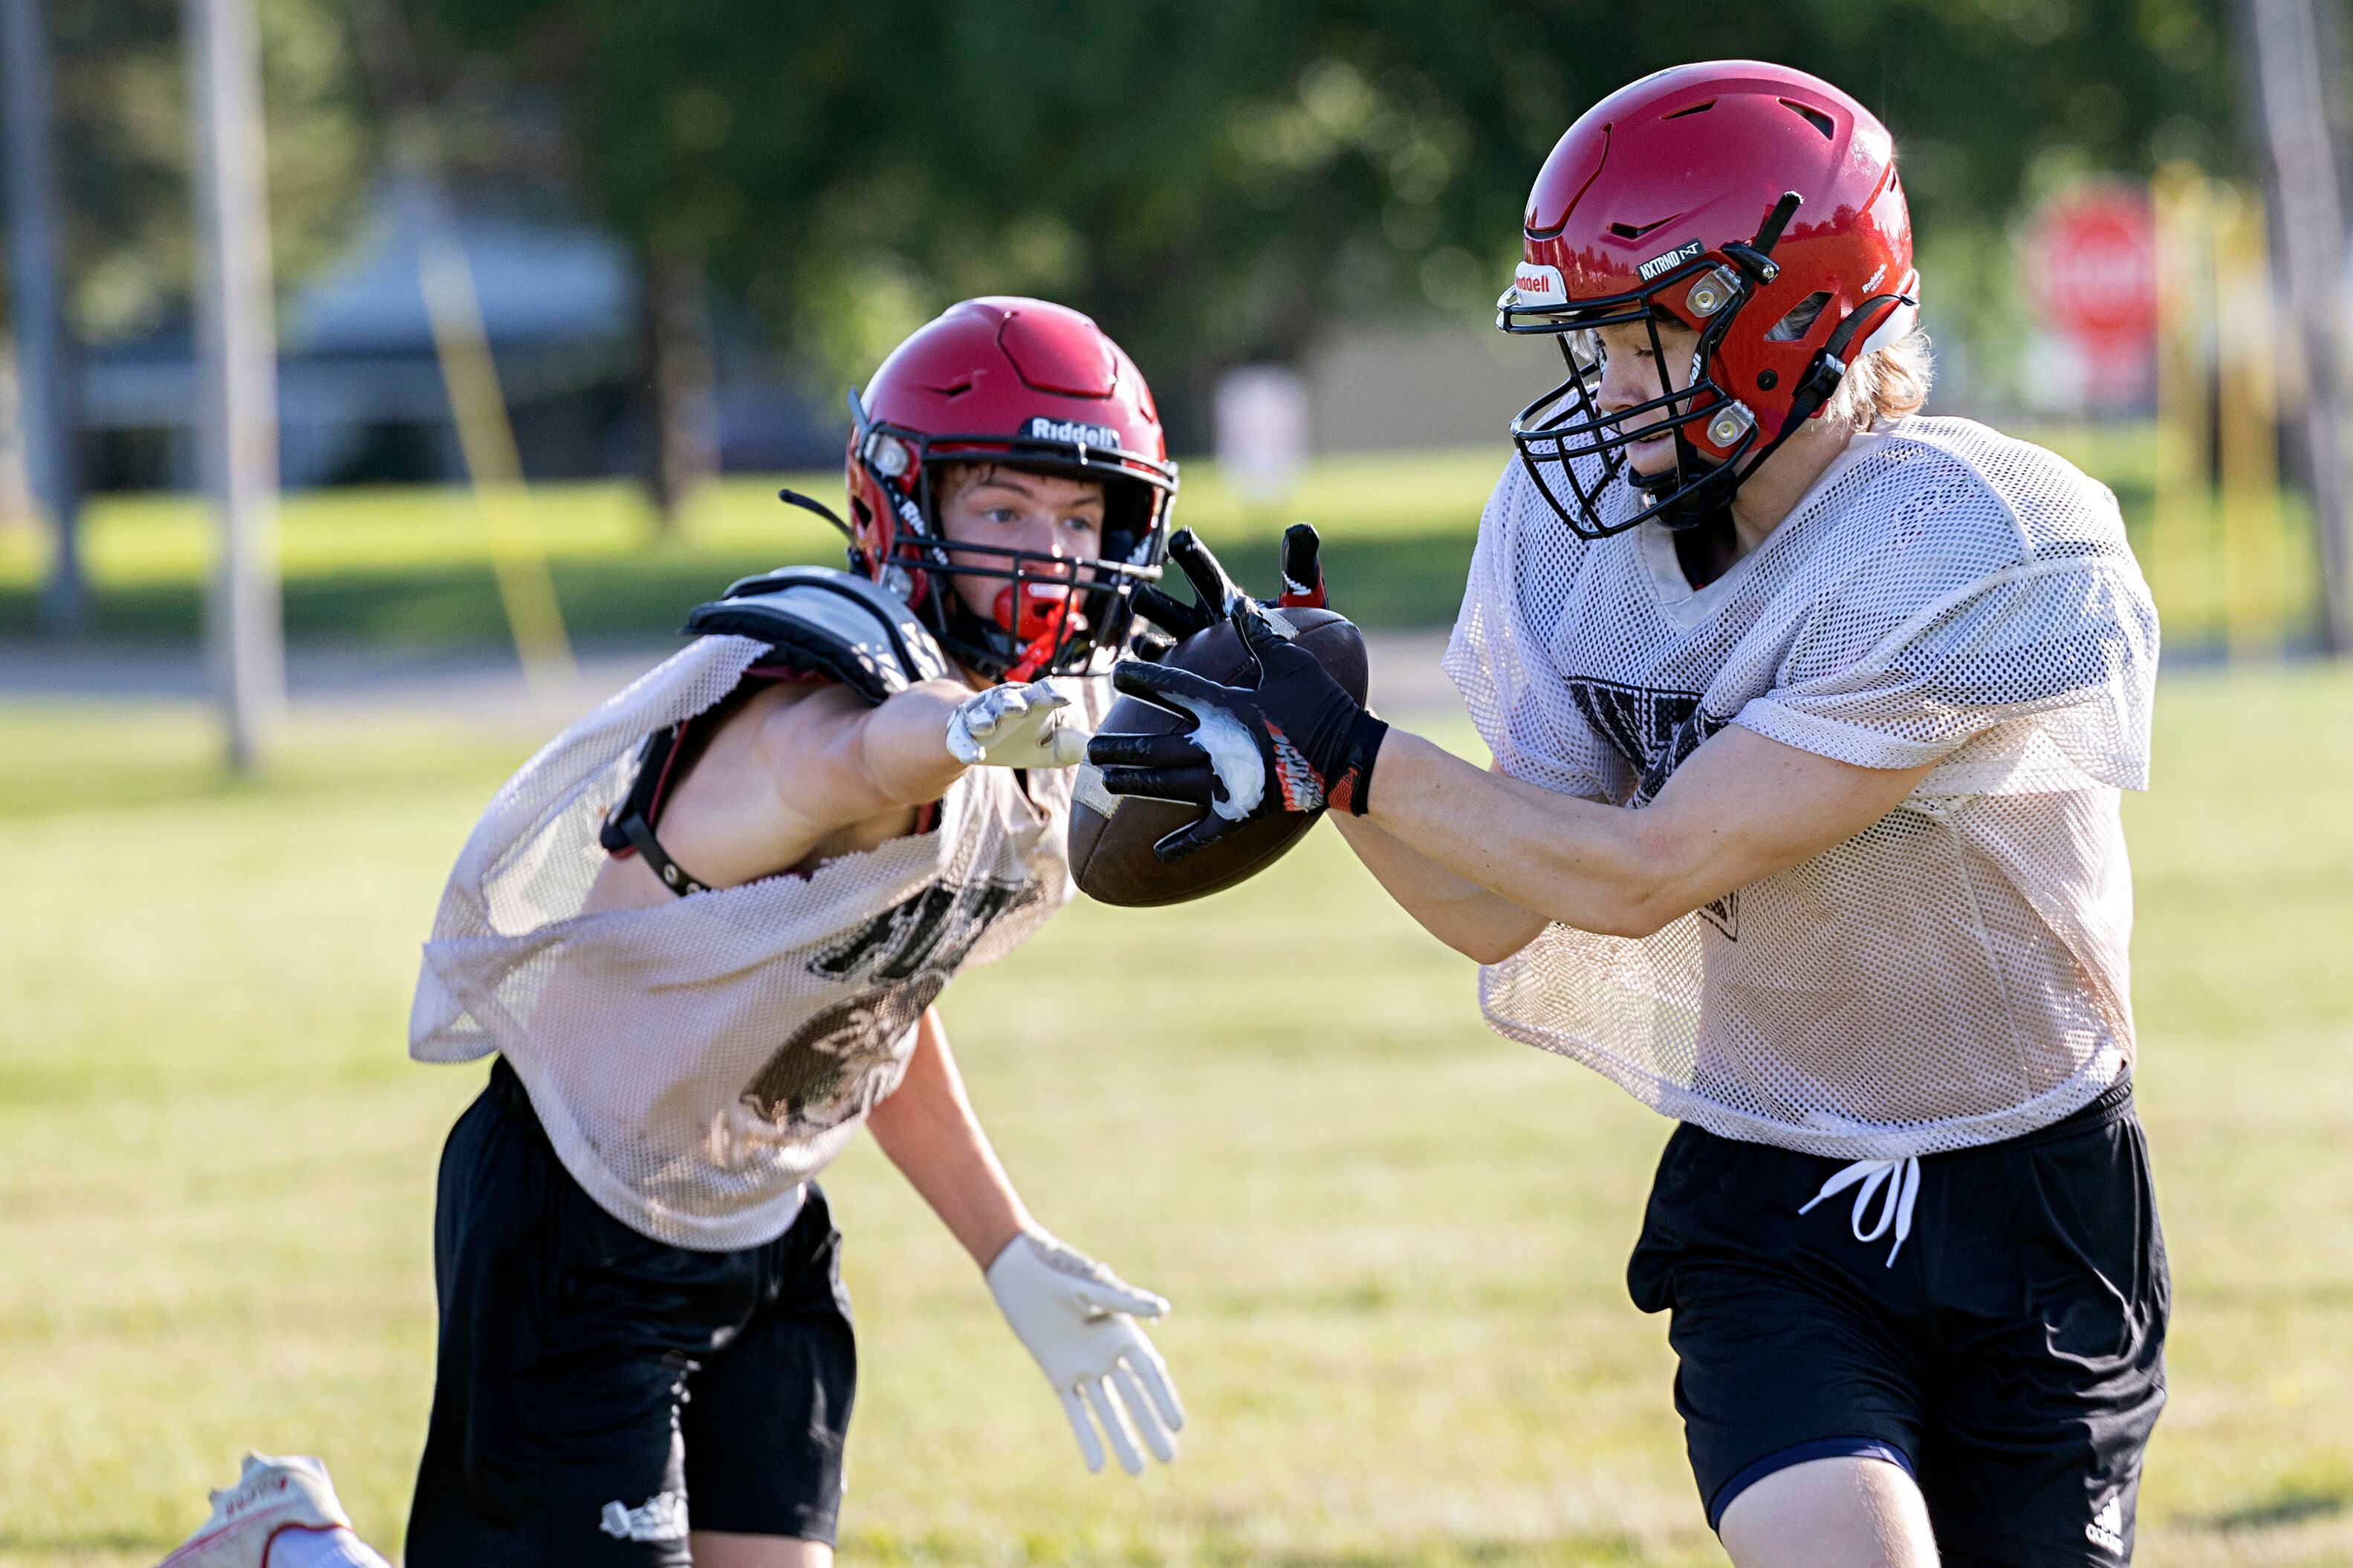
696, 1061
1953, 975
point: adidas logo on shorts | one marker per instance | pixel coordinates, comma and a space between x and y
2107, 1527
662, 1517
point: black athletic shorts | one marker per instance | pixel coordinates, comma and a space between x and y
2011, 1358
596, 1390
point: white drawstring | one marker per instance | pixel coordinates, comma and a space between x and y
1902, 1180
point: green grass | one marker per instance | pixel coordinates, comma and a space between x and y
410, 566
1395, 1241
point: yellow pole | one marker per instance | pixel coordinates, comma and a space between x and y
487, 438
2181, 568
2253, 553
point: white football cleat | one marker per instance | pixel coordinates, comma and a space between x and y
281, 1514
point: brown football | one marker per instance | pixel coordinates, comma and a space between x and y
1112, 836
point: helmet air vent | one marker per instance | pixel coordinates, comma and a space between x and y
1700, 108
1813, 117
1800, 319
1636, 230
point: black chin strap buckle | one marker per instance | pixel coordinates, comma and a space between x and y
1755, 257
1822, 380
1830, 366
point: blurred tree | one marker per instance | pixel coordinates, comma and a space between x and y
123, 139
1224, 181
679, 361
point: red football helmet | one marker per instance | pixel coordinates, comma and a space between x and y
1756, 205
1032, 385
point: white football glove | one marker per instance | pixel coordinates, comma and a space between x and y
1015, 727
1077, 1318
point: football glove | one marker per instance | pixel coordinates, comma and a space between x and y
1292, 740
1303, 573
1302, 588
1077, 1320
1011, 726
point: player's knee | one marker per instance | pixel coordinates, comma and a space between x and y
1847, 1512
725, 1548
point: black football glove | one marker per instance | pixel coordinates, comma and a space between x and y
1303, 574
1292, 740
1172, 614
1303, 587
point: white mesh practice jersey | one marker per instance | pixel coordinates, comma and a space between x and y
696, 1061
1953, 975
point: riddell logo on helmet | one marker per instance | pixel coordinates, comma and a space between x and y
1538, 285
1673, 258
1075, 431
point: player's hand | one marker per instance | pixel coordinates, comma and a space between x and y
1015, 727
1302, 588
1292, 740
1303, 569
1077, 1320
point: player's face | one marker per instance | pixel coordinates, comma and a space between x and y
1052, 516
1631, 374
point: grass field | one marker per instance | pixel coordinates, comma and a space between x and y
410, 566
1395, 1241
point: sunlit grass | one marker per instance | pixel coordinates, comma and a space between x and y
131, 540
1395, 1242
411, 565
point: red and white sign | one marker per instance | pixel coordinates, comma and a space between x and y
2091, 267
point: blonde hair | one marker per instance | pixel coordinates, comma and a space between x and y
1884, 385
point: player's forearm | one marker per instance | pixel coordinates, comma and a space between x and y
1556, 857
1466, 917
927, 1128
902, 745
1741, 807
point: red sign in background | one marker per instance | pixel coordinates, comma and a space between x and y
2092, 269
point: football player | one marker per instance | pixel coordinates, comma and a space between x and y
1810, 715
704, 930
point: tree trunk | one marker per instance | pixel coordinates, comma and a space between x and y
44, 403
237, 344
16, 508
2303, 190
677, 350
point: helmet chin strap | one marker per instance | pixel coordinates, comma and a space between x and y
1688, 506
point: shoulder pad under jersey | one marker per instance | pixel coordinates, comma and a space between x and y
827, 621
